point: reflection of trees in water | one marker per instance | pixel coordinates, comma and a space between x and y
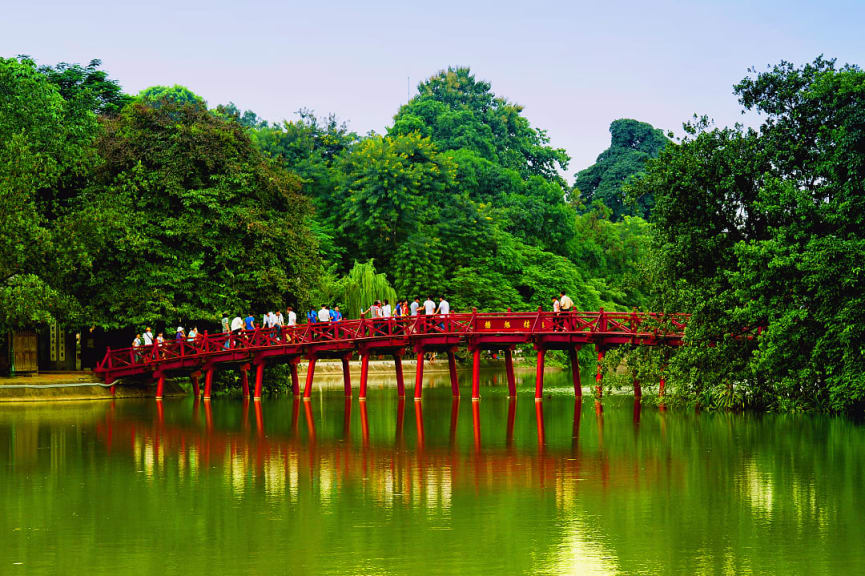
622, 489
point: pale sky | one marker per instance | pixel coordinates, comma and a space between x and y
574, 66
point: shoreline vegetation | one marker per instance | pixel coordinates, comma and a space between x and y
160, 210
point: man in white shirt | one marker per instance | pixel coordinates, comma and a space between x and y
386, 310
147, 336
414, 306
565, 302
444, 307
429, 307
324, 314
292, 316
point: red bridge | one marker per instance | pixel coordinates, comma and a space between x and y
394, 336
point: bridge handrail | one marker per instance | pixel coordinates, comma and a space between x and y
634, 324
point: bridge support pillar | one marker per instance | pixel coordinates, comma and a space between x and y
476, 374
295, 381
599, 387
208, 383
452, 369
573, 353
539, 376
196, 388
244, 379
346, 375
259, 381
418, 377
160, 385
400, 380
310, 371
509, 367
638, 390
364, 373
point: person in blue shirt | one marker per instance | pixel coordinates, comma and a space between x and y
335, 314
249, 322
312, 316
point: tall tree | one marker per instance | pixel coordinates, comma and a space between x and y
765, 229
633, 144
44, 144
189, 219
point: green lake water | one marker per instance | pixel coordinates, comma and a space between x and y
390, 487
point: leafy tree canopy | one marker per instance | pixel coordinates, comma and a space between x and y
633, 143
456, 111
44, 145
764, 228
189, 219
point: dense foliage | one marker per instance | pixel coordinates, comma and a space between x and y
462, 197
633, 144
764, 231
125, 210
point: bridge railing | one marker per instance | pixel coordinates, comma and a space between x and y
632, 324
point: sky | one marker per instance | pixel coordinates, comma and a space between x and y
574, 66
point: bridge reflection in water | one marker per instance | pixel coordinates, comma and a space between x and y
399, 464
444, 485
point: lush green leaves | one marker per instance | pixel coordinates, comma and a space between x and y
633, 144
765, 229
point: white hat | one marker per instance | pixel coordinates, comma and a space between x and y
180, 328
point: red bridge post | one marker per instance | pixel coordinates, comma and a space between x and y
574, 356
418, 377
196, 389
400, 381
509, 367
295, 381
244, 379
208, 382
452, 369
638, 390
346, 374
476, 374
364, 373
310, 371
259, 381
539, 375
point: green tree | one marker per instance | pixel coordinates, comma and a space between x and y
362, 286
87, 87
390, 187
765, 229
44, 145
633, 144
189, 219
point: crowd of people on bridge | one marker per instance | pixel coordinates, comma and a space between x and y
277, 320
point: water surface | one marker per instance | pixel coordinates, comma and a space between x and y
441, 487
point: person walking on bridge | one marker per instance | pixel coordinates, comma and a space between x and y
414, 306
566, 306
236, 329
429, 307
324, 314
226, 323
335, 314
249, 322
